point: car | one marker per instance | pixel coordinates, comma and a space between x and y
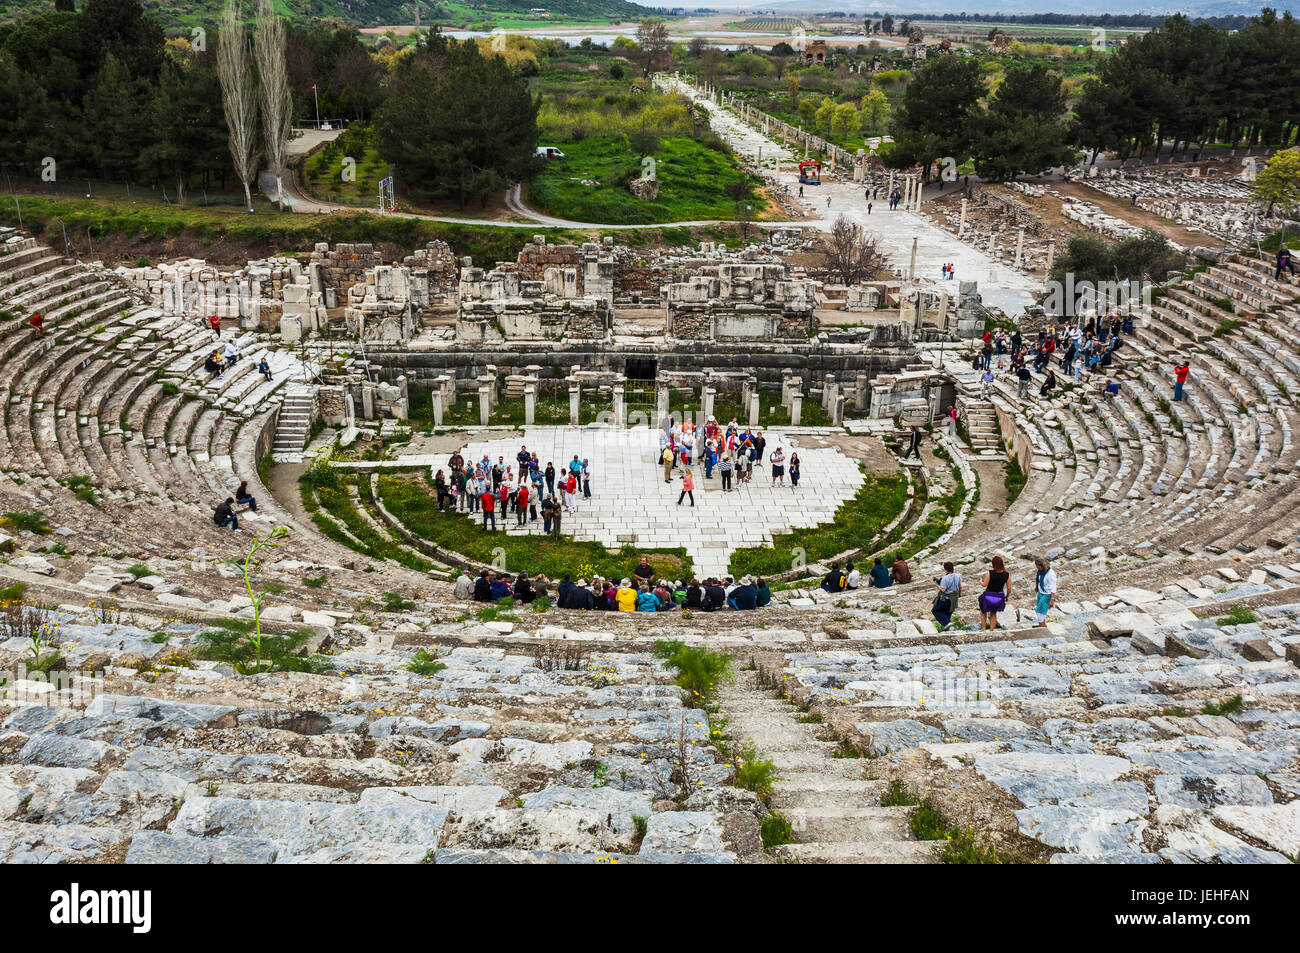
549, 152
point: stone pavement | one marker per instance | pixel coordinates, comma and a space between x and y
630, 498
999, 286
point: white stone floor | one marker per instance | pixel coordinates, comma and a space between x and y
629, 496
999, 286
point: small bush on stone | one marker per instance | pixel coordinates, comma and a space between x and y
423, 663
394, 602
754, 773
927, 823
776, 830
699, 671
277, 653
139, 570
1234, 704
559, 655
1238, 615
314, 582
12, 593
896, 796
31, 522
963, 847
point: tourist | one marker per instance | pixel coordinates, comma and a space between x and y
37, 324
524, 589
664, 593
1045, 587
489, 504
564, 592
230, 354
571, 492
244, 498
763, 593
899, 571
646, 601
688, 488
581, 597
986, 384
715, 596
503, 500
608, 596
952, 420
501, 587
550, 478
834, 580
853, 577
694, 595
225, 514
778, 467
668, 458
440, 487
760, 444
1111, 389
539, 586
794, 471
215, 364
1180, 378
483, 587
585, 476
1283, 262
264, 368
548, 514
214, 323
521, 506
1049, 384
464, 590
914, 443
744, 597
880, 577
945, 603
724, 469
626, 596
996, 594
644, 572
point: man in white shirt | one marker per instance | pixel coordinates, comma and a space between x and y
949, 590
854, 578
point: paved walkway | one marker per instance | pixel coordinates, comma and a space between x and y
630, 498
1000, 286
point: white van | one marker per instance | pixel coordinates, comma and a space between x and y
549, 152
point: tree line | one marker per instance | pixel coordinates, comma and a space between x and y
101, 93
1184, 84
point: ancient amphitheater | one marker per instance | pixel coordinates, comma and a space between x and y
1155, 719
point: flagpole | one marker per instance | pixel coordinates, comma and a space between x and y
316, 96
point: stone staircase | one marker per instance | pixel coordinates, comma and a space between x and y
836, 814
294, 423
982, 426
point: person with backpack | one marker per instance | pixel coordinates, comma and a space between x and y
1045, 590
834, 580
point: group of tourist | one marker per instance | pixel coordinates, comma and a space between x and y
733, 451
1086, 344
643, 591
222, 359
994, 598
523, 488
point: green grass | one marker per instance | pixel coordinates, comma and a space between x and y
754, 773
776, 829
691, 180
139, 570
897, 796
858, 524
1234, 704
423, 663
1238, 615
1014, 479
12, 593
31, 522
411, 500
322, 171
280, 653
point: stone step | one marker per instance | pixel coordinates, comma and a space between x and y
849, 825
811, 791
868, 852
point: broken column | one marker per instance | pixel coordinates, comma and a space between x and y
796, 408
484, 402
575, 393
530, 403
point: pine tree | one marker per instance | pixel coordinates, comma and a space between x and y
1024, 129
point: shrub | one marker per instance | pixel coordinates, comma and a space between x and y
754, 773
278, 653
776, 829
394, 602
1234, 704
896, 795
699, 671
139, 570
422, 663
1238, 615
31, 522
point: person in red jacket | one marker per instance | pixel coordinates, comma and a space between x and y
521, 504
503, 495
37, 321
489, 509
214, 323
1180, 378
570, 493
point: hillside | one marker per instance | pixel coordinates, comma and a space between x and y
173, 14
